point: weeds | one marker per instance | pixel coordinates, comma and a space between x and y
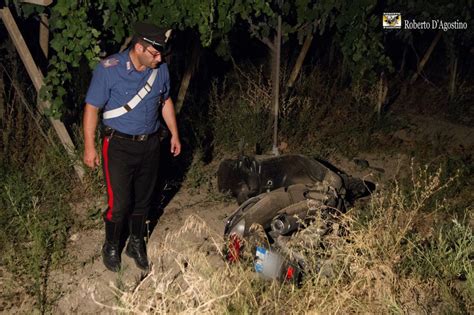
35, 188
316, 117
242, 114
198, 175
35, 221
392, 260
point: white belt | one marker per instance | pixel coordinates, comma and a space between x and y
113, 113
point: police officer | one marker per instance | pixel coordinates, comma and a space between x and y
131, 88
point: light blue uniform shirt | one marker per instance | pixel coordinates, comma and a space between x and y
116, 81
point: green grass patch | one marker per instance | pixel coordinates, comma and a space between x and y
35, 219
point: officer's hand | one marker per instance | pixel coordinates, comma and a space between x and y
91, 158
175, 146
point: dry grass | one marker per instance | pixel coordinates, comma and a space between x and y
380, 266
240, 109
317, 116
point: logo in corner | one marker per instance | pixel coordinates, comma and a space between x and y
392, 21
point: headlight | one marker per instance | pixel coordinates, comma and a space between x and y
239, 228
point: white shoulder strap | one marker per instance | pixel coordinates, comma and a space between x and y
113, 113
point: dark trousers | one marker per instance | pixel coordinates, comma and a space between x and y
131, 171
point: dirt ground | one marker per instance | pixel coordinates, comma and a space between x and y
86, 279
84, 285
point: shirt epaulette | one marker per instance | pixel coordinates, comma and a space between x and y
113, 85
110, 62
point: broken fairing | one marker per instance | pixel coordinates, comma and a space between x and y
282, 194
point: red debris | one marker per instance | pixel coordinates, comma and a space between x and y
290, 273
235, 245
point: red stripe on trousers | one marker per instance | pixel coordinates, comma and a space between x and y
110, 193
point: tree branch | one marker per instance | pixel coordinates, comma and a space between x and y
265, 40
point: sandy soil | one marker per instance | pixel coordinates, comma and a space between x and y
86, 283
83, 284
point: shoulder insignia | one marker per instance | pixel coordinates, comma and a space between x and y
109, 62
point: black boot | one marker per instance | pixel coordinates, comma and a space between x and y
111, 249
136, 247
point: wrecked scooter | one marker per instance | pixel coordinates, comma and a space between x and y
281, 195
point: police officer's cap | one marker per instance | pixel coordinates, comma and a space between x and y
152, 34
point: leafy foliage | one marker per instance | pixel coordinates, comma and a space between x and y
80, 29
360, 39
74, 39
83, 30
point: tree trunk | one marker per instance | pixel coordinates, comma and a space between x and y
332, 49
452, 83
276, 86
191, 67
402, 65
2, 97
299, 61
343, 73
2, 115
382, 94
125, 43
44, 34
425, 58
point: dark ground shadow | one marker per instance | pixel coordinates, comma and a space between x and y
172, 172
